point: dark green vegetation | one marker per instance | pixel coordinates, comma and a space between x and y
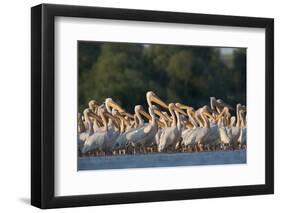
186, 74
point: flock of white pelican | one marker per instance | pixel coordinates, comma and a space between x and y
108, 129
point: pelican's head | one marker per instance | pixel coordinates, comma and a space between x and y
213, 102
86, 113
158, 112
225, 112
114, 112
109, 103
205, 111
101, 109
178, 108
92, 105
243, 108
223, 104
182, 106
138, 108
152, 98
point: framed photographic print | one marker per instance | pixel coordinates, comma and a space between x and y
139, 106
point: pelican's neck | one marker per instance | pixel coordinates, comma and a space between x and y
191, 118
232, 121
148, 102
242, 119
96, 125
140, 120
107, 107
104, 121
153, 117
136, 121
174, 122
178, 120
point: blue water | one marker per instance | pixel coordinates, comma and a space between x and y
162, 160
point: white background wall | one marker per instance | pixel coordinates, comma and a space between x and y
15, 105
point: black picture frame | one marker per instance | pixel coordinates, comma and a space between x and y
43, 117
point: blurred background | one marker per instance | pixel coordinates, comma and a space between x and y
176, 73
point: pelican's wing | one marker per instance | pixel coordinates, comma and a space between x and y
94, 141
120, 141
136, 134
169, 136
189, 137
201, 133
111, 137
213, 134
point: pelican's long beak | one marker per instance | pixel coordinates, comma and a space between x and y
181, 106
243, 108
188, 108
160, 114
207, 114
127, 114
161, 124
223, 104
95, 116
151, 97
118, 115
114, 119
168, 118
145, 114
225, 110
93, 104
109, 102
180, 110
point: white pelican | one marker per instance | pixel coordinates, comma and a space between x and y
101, 140
146, 135
89, 127
171, 135
189, 134
235, 129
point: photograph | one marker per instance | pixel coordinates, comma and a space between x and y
137, 105
160, 105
